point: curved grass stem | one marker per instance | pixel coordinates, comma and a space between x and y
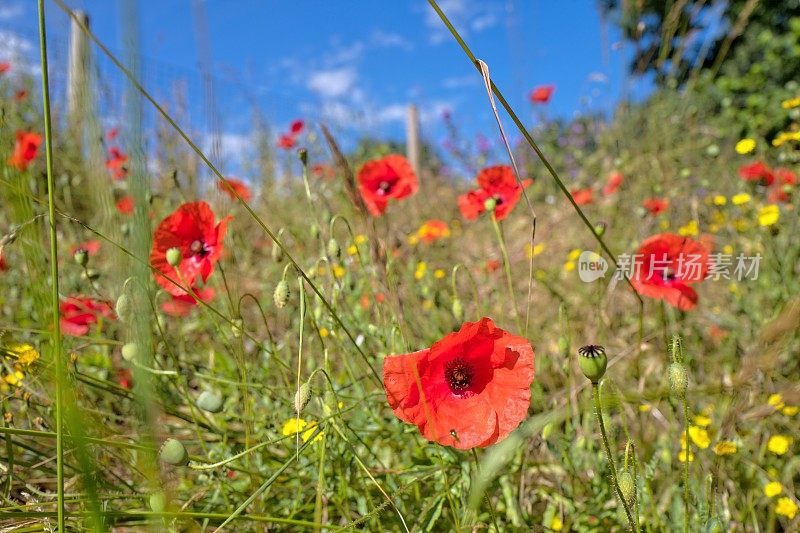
507, 267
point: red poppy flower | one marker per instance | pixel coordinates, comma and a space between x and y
191, 229
542, 94
786, 176
286, 142
388, 178
757, 172
3, 265
181, 305
116, 163
296, 127
78, 313
21, 95
5, 66
497, 182
112, 134
615, 179
125, 378
582, 196
493, 265
666, 265
322, 171
656, 205
433, 230
125, 205
25, 149
235, 185
471, 388
90, 247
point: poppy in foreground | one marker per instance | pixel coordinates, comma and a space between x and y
233, 185
469, 389
542, 94
388, 178
26, 147
79, 313
667, 265
190, 229
497, 183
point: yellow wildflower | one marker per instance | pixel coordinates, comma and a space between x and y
569, 266
664, 224
790, 410
556, 524
338, 271
740, 199
296, 425
699, 436
776, 401
534, 251
785, 136
769, 215
691, 229
702, 421
779, 444
645, 408
427, 304
323, 332
727, 249
24, 353
419, 273
352, 249
725, 447
413, 240
15, 377
360, 239
786, 507
745, 146
773, 488
791, 103
741, 225
574, 254
683, 455
720, 200
439, 273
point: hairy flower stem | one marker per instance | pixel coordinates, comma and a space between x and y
507, 267
599, 414
686, 466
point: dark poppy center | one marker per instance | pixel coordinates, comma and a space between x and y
384, 188
668, 274
459, 375
198, 247
498, 198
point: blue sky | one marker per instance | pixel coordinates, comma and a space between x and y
358, 63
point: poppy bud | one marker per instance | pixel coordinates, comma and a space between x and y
334, 250
130, 351
173, 452
600, 228
302, 153
302, 397
158, 502
174, 257
281, 294
593, 362
314, 230
123, 307
458, 309
490, 204
277, 253
236, 327
81, 256
678, 380
209, 401
626, 486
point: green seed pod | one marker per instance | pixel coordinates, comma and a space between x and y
174, 257
678, 379
173, 452
81, 256
627, 486
158, 502
490, 204
712, 150
123, 307
130, 351
277, 253
281, 294
593, 362
302, 397
458, 309
314, 231
210, 401
334, 250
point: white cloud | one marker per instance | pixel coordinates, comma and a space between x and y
390, 40
465, 15
427, 112
11, 11
14, 45
459, 82
333, 83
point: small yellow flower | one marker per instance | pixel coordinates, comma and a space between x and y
24, 353
740, 199
310, 428
779, 444
786, 507
784, 137
419, 273
720, 200
556, 524
645, 408
699, 436
15, 377
533, 251
664, 224
725, 447
427, 304
727, 249
790, 410
691, 229
338, 271
574, 254
569, 266
683, 455
323, 332
439, 273
413, 240
791, 103
733, 288
745, 146
352, 249
773, 488
360, 239
776, 401
702, 421
292, 426
769, 215
741, 225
